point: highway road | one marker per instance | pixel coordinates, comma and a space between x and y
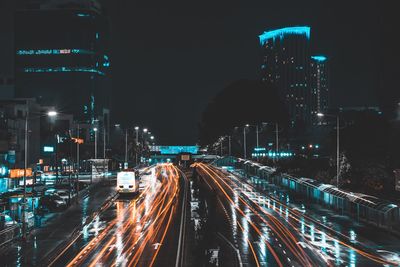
135, 231
267, 232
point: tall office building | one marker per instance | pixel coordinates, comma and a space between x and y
319, 81
61, 56
286, 64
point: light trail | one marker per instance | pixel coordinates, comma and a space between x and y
281, 232
277, 226
250, 222
137, 225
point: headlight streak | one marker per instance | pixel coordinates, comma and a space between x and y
125, 244
297, 216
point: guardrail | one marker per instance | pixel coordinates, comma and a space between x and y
10, 233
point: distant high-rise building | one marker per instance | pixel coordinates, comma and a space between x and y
286, 64
319, 81
61, 56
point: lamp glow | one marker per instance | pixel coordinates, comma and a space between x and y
52, 113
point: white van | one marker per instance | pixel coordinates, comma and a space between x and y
128, 181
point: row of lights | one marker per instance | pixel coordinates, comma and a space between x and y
145, 130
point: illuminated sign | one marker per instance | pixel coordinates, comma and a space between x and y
64, 51
19, 173
3, 171
174, 150
48, 149
77, 140
185, 157
63, 69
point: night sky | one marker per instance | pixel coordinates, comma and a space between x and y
170, 58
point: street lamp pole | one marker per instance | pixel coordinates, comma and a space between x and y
244, 142
221, 143
137, 145
337, 152
77, 165
277, 138
229, 144
25, 167
95, 143
104, 151
126, 149
50, 114
257, 135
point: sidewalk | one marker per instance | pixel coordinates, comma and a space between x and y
56, 228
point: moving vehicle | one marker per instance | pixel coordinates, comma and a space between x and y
52, 202
128, 181
66, 195
6, 221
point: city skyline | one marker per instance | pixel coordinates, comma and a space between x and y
212, 133
233, 46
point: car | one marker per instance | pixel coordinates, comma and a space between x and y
65, 194
38, 188
6, 221
52, 202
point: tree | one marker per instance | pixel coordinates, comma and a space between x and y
371, 146
242, 102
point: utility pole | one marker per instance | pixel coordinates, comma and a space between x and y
104, 150
25, 167
95, 143
137, 145
229, 147
337, 152
257, 135
277, 140
126, 149
77, 165
221, 143
244, 142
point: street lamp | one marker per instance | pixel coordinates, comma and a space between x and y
137, 144
95, 142
49, 114
321, 115
244, 140
52, 113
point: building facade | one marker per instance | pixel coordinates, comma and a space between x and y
286, 64
61, 57
6, 87
319, 81
13, 116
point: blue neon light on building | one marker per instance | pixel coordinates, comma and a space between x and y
82, 15
62, 69
299, 30
319, 58
65, 51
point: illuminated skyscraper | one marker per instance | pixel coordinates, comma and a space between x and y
286, 63
319, 81
61, 56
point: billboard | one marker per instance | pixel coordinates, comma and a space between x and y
19, 173
174, 150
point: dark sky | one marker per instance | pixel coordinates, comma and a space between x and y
170, 58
